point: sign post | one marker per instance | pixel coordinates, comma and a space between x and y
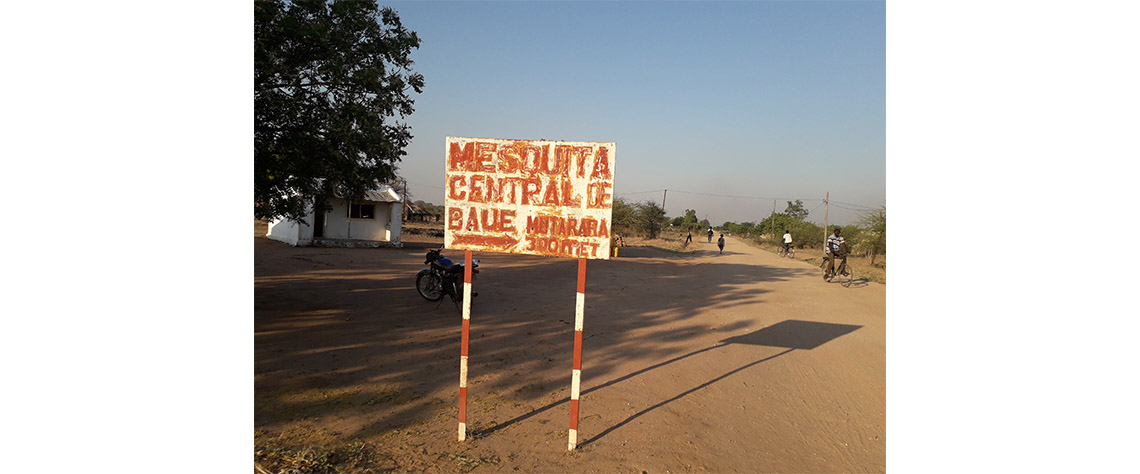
576, 372
464, 339
550, 198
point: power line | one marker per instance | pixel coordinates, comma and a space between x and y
640, 192
833, 204
744, 197
821, 201
426, 185
849, 204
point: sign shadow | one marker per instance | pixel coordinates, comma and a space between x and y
794, 334
791, 334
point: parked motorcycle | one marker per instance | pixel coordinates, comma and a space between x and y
442, 277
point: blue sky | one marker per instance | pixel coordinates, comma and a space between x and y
762, 100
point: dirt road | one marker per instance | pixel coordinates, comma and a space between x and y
733, 362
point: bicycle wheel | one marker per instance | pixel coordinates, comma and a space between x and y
845, 275
780, 252
791, 252
429, 285
823, 266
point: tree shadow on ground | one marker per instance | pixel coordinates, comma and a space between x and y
343, 333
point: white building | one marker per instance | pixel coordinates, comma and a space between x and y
376, 221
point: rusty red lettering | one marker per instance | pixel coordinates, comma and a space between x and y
472, 220
509, 158
493, 222
455, 218
580, 155
528, 193
452, 191
568, 197
459, 158
602, 165
534, 157
506, 220
598, 197
476, 194
484, 157
550, 198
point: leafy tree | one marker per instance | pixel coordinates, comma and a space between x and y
743, 229
803, 233
876, 223
649, 218
690, 219
623, 217
774, 226
677, 221
329, 80
429, 207
796, 210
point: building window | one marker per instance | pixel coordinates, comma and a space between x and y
361, 211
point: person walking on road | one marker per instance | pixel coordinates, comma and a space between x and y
689, 239
720, 243
710, 234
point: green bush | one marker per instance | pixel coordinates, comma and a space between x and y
644, 219
875, 242
804, 234
624, 218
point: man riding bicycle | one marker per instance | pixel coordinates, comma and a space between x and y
835, 248
787, 240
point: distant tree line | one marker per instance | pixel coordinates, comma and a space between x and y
431, 208
648, 220
645, 219
867, 237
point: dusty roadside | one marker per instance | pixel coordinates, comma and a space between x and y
734, 362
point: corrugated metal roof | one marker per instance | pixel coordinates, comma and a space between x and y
381, 194
384, 194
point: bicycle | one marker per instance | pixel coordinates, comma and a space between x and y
790, 253
842, 274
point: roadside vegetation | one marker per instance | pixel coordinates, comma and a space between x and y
645, 224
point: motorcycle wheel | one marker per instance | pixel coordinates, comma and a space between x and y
429, 285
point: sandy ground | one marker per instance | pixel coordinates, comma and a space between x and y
733, 362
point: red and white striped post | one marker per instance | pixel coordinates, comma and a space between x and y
463, 345
576, 373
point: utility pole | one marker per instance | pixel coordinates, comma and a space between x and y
405, 190
772, 218
663, 199
827, 197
